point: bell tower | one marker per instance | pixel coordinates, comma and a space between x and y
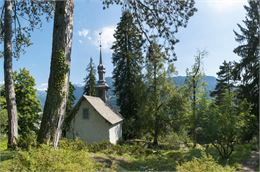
101, 87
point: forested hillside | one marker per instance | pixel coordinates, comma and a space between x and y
78, 92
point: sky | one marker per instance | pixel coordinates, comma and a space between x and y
210, 29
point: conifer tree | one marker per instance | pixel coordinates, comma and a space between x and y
224, 82
195, 83
90, 80
128, 60
247, 69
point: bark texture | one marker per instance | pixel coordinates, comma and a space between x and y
9, 83
58, 84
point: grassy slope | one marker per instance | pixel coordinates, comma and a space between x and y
74, 156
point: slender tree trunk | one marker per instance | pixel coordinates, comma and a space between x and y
58, 85
156, 121
9, 83
194, 111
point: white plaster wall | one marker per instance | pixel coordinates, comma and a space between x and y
115, 133
91, 130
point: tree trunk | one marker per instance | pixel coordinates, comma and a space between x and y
9, 83
156, 121
58, 85
194, 111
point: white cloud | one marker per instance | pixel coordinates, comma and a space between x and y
42, 87
107, 37
83, 33
224, 5
92, 37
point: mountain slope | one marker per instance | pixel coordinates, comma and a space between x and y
179, 81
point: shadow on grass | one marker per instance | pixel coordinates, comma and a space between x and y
149, 164
6, 155
164, 161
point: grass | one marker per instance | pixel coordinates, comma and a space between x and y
76, 156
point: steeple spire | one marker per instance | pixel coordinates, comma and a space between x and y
100, 47
101, 86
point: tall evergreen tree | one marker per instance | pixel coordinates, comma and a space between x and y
155, 78
247, 69
128, 60
224, 81
90, 80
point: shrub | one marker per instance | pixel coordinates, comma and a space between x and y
45, 158
206, 163
76, 144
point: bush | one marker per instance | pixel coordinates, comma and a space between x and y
175, 139
206, 163
27, 141
76, 144
45, 158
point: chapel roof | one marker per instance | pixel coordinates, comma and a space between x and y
103, 109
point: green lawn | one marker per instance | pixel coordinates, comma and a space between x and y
75, 156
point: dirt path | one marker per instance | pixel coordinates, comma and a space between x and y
252, 163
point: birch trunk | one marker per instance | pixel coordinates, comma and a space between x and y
9, 83
58, 85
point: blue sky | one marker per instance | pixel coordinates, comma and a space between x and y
210, 29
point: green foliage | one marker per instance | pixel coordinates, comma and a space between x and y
247, 69
90, 80
69, 108
127, 74
224, 81
71, 98
28, 104
195, 88
3, 115
48, 159
222, 124
203, 164
26, 17
163, 17
59, 63
76, 144
157, 92
175, 140
109, 149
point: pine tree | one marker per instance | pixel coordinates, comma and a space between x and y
90, 80
247, 69
128, 60
224, 81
